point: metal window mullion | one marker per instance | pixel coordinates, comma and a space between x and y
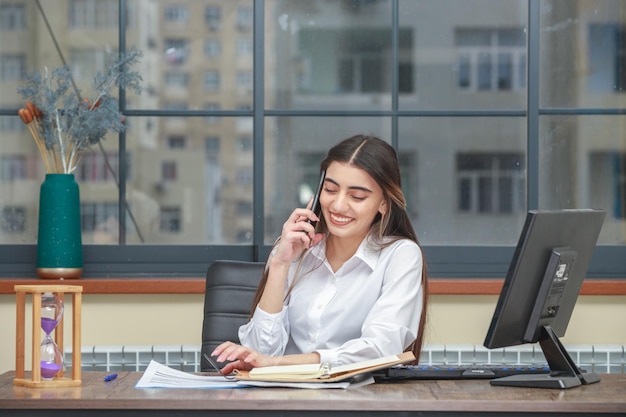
121, 166
258, 117
532, 96
395, 87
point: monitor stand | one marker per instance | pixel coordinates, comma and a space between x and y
563, 370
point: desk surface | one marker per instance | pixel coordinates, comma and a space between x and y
442, 397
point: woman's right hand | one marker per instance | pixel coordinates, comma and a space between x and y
297, 235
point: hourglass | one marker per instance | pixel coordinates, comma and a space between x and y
47, 354
51, 357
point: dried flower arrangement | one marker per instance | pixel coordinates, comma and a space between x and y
62, 122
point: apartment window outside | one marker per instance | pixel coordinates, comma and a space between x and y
212, 48
213, 17
13, 219
97, 216
176, 51
177, 79
12, 17
12, 167
361, 74
176, 14
491, 59
490, 183
12, 67
168, 171
244, 18
90, 14
170, 219
607, 57
93, 167
176, 142
86, 62
359, 61
12, 124
244, 82
211, 80
244, 47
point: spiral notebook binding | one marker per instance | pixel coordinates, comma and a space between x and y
326, 370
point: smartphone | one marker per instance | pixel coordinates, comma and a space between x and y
316, 207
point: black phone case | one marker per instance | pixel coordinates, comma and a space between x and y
317, 209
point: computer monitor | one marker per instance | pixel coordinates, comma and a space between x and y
540, 292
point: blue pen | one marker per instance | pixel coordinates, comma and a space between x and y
110, 377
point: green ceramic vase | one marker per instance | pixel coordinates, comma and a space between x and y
59, 242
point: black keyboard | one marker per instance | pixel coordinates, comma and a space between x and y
457, 371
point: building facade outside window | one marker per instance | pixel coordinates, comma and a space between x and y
495, 108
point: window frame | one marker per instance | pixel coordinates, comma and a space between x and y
175, 261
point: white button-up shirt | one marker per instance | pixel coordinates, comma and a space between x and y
369, 308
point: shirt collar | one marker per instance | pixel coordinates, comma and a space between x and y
366, 252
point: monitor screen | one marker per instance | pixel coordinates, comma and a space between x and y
540, 290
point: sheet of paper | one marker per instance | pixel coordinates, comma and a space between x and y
161, 376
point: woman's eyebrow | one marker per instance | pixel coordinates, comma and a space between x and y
353, 187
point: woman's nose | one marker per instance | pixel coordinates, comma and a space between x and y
339, 203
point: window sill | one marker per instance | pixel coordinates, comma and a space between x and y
438, 286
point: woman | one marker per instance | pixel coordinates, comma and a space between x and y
353, 289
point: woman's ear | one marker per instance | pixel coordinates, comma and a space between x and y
382, 209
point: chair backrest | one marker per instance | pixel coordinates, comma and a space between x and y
228, 298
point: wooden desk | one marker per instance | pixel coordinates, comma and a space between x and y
423, 398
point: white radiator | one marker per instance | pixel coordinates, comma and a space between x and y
592, 358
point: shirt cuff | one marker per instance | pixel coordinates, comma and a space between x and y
327, 356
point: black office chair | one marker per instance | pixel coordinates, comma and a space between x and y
228, 298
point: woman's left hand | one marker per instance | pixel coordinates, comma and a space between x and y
242, 357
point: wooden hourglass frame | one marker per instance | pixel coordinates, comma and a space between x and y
36, 291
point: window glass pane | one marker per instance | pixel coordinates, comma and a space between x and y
209, 41
583, 62
190, 193
294, 149
468, 54
20, 178
330, 55
466, 180
582, 165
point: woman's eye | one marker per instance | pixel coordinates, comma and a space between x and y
358, 197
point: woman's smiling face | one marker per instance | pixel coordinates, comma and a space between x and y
350, 201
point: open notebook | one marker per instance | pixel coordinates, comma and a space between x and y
322, 372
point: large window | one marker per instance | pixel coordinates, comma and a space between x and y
494, 107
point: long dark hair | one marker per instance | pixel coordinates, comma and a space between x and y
379, 160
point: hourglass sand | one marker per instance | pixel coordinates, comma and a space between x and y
47, 355
51, 357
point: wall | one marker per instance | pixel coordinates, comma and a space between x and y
177, 320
